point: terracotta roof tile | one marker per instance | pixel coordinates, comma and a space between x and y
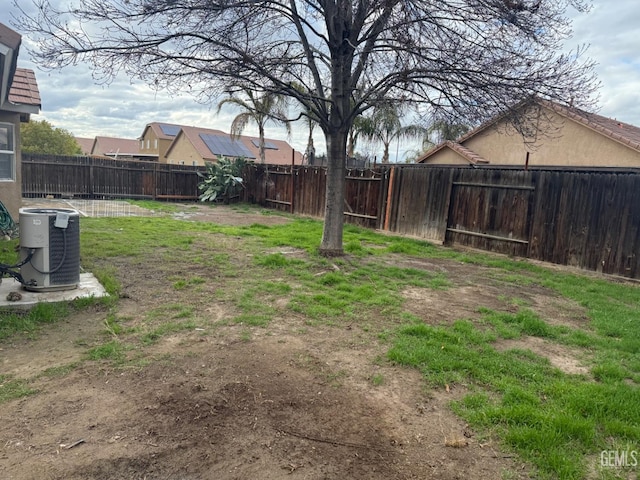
279, 156
471, 156
193, 134
24, 89
157, 128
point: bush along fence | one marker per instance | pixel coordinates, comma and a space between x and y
584, 218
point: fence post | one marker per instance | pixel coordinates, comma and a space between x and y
387, 214
293, 196
91, 179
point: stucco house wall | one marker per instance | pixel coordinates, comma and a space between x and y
183, 152
565, 143
19, 98
566, 137
446, 156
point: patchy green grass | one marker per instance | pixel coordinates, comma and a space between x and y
11, 388
29, 322
113, 350
552, 419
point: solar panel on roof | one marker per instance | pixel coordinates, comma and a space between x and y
224, 145
171, 130
267, 144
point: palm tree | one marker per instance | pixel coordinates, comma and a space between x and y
260, 109
359, 126
442, 130
384, 125
310, 152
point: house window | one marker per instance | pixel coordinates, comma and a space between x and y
141, 144
155, 144
7, 152
148, 143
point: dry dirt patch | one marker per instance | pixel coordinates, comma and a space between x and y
245, 410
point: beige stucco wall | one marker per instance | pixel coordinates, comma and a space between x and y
163, 146
184, 151
11, 191
446, 156
568, 143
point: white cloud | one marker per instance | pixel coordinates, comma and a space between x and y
611, 30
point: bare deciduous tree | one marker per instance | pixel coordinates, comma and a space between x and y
468, 59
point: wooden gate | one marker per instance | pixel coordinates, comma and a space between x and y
492, 213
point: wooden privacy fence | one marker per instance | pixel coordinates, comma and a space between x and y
91, 177
589, 219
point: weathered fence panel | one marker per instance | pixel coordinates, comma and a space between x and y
90, 177
589, 220
491, 210
421, 201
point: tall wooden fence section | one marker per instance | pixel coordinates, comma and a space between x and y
90, 177
589, 219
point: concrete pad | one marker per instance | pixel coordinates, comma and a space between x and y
88, 287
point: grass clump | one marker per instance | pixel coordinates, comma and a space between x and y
28, 322
11, 389
113, 351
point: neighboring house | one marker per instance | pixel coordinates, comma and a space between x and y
19, 98
182, 145
156, 139
119, 149
86, 144
566, 137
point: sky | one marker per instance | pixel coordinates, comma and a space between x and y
72, 100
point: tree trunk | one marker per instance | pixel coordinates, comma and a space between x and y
385, 155
261, 143
334, 206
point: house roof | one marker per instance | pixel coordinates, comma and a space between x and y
470, 156
18, 88
621, 132
85, 144
9, 37
281, 155
162, 130
113, 146
193, 135
278, 151
24, 89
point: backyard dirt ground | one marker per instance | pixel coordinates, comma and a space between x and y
292, 400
